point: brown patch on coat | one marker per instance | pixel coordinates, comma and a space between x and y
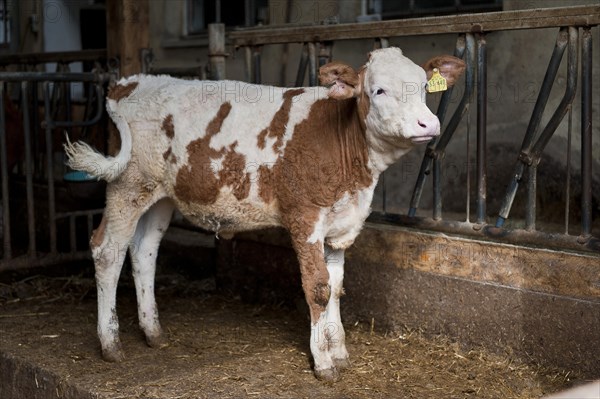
326, 157
233, 173
98, 234
198, 182
315, 277
266, 185
168, 127
120, 92
277, 126
169, 156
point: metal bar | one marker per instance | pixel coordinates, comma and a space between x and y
459, 52
517, 237
28, 168
257, 78
59, 57
5, 193
530, 209
475, 23
468, 210
50, 169
437, 189
312, 64
54, 76
481, 128
567, 100
93, 121
586, 133
568, 172
72, 234
87, 212
216, 50
248, 64
90, 225
325, 53
538, 110
26, 262
302, 66
383, 193
436, 148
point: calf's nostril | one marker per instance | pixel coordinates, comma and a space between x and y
423, 125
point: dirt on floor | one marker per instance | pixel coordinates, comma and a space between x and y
223, 348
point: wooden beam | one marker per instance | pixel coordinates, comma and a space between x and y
475, 23
127, 33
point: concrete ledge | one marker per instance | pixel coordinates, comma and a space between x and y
31, 381
542, 305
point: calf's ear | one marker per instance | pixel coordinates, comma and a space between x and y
342, 80
450, 68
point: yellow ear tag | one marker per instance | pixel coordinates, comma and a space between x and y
437, 82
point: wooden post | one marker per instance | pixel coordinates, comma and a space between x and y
127, 34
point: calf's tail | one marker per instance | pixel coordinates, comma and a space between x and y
83, 157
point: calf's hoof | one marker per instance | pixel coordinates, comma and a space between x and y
342, 363
114, 353
328, 375
157, 341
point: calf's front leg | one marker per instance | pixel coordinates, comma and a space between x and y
321, 283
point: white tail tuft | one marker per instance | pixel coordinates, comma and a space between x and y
83, 157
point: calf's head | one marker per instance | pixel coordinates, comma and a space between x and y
390, 90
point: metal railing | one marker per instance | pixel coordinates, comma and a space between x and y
471, 45
57, 227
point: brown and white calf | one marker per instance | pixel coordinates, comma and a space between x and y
232, 156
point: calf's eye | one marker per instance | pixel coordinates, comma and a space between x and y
380, 91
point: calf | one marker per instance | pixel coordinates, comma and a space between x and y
232, 157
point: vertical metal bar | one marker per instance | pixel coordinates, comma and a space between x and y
538, 110
72, 233
256, 60
302, 66
437, 189
567, 100
430, 151
248, 64
568, 179
586, 134
325, 53
90, 225
216, 50
5, 193
481, 128
383, 193
218, 11
248, 13
28, 168
50, 168
468, 210
36, 130
312, 64
444, 139
531, 208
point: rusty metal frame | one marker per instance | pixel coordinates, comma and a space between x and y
468, 23
472, 46
45, 80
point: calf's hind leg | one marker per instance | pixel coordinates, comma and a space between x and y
143, 251
109, 243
